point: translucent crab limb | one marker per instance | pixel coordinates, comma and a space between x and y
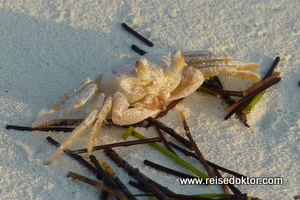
230, 71
106, 107
73, 92
77, 103
123, 115
80, 128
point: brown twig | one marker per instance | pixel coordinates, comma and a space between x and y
119, 144
194, 145
98, 185
169, 107
261, 89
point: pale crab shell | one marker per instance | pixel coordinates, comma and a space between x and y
123, 78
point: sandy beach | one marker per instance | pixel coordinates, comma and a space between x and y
48, 47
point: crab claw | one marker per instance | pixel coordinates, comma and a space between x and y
177, 61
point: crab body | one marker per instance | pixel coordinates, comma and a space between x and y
131, 93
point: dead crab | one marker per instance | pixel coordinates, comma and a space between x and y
130, 94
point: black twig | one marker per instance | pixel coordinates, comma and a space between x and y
26, 128
170, 131
167, 170
136, 34
138, 50
272, 68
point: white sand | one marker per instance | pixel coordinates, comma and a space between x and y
47, 47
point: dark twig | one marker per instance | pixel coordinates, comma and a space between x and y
119, 144
170, 131
98, 185
134, 172
167, 170
116, 179
194, 145
136, 34
25, 128
139, 186
106, 179
164, 140
272, 68
138, 50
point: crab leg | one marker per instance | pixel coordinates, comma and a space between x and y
106, 107
231, 71
79, 129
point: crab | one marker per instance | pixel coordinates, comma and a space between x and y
131, 93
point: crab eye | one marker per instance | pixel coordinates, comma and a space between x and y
177, 61
142, 70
